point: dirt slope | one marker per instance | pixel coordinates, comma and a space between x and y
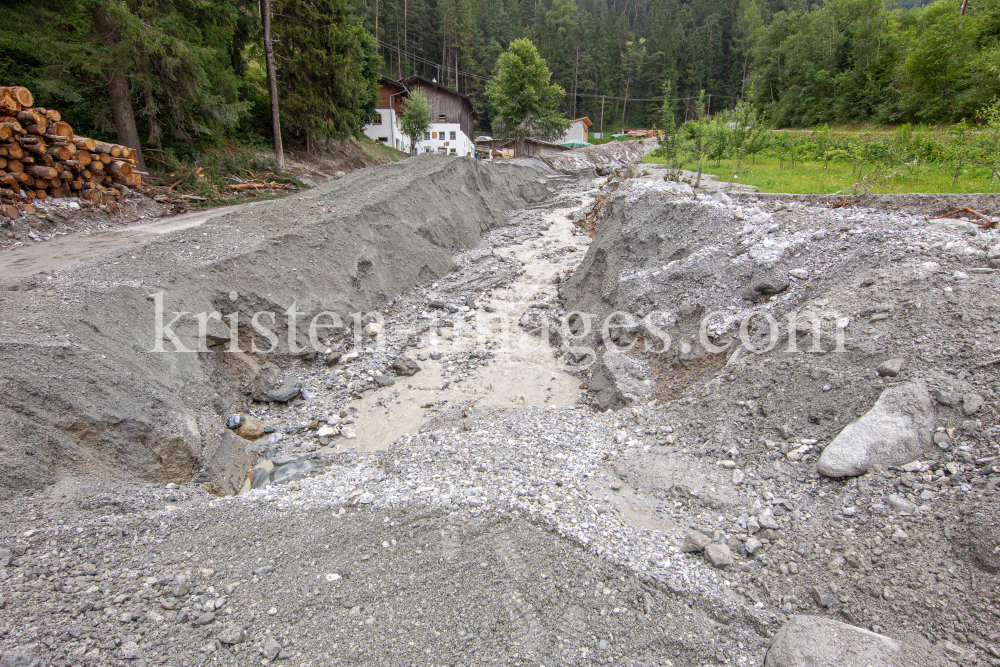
86, 395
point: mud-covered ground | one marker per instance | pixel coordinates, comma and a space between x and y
671, 513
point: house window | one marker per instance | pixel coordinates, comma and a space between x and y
428, 150
452, 136
442, 150
454, 152
427, 136
383, 140
441, 119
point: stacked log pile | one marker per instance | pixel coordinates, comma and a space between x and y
41, 158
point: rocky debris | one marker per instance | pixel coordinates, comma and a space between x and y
695, 542
384, 380
24, 656
271, 385
971, 404
890, 368
250, 428
812, 641
896, 430
719, 555
231, 633
403, 365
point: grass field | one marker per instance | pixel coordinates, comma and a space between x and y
813, 178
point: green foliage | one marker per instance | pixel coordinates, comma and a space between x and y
327, 69
523, 101
416, 118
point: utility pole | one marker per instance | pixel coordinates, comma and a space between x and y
602, 119
576, 68
272, 84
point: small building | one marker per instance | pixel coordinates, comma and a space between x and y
579, 130
453, 118
532, 147
386, 128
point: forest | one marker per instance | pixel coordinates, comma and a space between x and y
186, 74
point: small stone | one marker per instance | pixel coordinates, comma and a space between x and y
752, 544
129, 651
890, 368
234, 421
719, 555
436, 356
348, 432
901, 505
912, 466
5, 557
800, 274
231, 633
766, 519
942, 398
798, 453
616, 485
694, 542
793, 568
620, 436
384, 380
738, 477
331, 358
971, 404
366, 498
900, 535
405, 366
270, 649
251, 428
421, 357
373, 329
728, 465
821, 598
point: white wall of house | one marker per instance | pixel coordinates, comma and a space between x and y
577, 132
386, 130
447, 139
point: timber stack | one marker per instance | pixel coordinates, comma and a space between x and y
41, 158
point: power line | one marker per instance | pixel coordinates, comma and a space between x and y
593, 95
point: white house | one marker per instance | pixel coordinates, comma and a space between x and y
453, 119
579, 130
386, 128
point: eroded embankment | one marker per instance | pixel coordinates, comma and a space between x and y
85, 394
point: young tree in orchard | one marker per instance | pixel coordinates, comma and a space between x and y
746, 132
670, 141
416, 118
523, 101
697, 134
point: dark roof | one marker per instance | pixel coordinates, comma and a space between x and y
451, 91
400, 86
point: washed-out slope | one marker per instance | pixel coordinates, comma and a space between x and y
84, 394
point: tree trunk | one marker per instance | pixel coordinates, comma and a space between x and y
121, 101
272, 84
150, 102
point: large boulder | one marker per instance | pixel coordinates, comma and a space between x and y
897, 429
813, 641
